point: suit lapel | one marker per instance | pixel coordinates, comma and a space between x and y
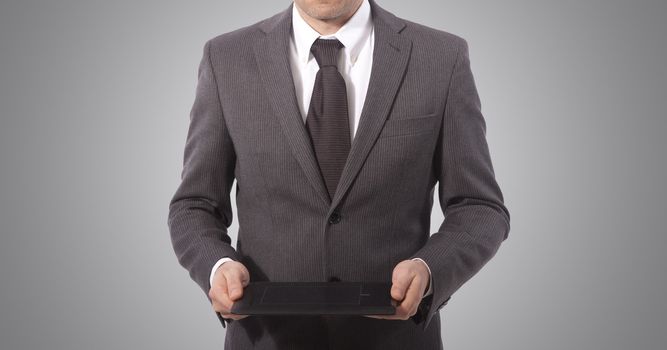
272, 54
391, 53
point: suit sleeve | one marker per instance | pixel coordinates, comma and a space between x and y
476, 220
200, 211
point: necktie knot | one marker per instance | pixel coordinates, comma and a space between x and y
326, 51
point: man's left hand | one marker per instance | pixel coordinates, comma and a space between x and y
409, 282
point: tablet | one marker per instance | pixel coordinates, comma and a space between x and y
315, 298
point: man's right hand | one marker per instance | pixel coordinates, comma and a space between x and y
228, 283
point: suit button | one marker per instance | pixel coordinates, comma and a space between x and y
334, 218
334, 279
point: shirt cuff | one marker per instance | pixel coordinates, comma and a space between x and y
430, 278
215, 268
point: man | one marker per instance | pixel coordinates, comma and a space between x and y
336, 118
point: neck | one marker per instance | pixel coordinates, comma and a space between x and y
328, 26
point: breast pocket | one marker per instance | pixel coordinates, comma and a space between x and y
408, 126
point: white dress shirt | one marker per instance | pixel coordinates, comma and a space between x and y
354, 63
354, 60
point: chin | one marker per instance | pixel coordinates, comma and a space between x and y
325, 9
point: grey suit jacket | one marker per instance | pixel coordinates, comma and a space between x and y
421, 124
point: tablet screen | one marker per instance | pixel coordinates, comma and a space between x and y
312, 295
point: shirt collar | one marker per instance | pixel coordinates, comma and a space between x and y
352, 34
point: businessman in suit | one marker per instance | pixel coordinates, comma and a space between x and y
337, 119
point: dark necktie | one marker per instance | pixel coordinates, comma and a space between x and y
327, 120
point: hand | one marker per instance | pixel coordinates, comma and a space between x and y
409, 282
228, 283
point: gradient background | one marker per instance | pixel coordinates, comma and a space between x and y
94, 104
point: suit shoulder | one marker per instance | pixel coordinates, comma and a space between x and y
429, 36
241, 37
237, 37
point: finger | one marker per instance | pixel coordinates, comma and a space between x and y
245, 277
220, 300
376, 316
408, 306
401, 312
386, 317
233, 316
219, 286
395, 316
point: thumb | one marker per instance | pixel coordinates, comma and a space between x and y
245, 279
397, 292
398, 288
234, 288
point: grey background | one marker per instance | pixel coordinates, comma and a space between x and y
94, 103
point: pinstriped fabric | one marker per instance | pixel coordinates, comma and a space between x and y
421, 125
328, 121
